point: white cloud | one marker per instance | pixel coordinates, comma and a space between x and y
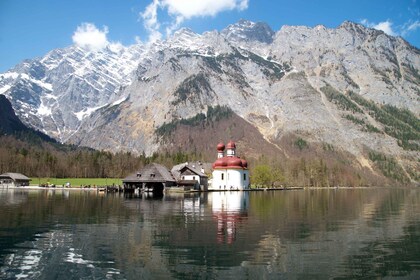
414, 26
116, 47
193, 8
150, 21
88, 36
385, 26
410, 27
138, 40
181, 10
403, 30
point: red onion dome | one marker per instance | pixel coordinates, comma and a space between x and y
231, 145
244, 163
220, 147
221, 162
234, 162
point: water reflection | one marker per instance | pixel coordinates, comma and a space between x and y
229, 210
313, 234
12, 198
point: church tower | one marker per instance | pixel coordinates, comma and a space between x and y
229, 172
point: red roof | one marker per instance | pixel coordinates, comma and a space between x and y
230, 163
220, 147
231, 145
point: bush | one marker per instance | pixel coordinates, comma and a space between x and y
342, 101
389, 166
398, 123
214, 114
301, 144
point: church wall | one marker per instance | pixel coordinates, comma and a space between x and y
219, 183
232, 179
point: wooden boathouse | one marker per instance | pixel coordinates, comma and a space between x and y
152, 178
13, 180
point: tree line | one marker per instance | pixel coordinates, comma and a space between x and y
53, 160
305, 173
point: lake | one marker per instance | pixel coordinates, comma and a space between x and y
371, 233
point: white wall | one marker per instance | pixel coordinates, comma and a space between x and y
232, 179
191, 177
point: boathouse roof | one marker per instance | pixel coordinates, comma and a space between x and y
153, 172
14, 176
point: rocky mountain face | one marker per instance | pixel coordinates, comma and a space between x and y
56, 92
11, 125
9, 122
351, 88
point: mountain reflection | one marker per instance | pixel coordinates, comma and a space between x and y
348, 233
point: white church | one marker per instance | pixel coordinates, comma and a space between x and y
230, 172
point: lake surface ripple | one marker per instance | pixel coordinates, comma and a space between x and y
305, 234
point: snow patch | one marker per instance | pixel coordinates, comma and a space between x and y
10, 75
45, 85
86, 112
44, 110
50, 96
42, 84
119, 101
4, 89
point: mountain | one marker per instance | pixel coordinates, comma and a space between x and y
297, 92
56, 92
10, 124
245, 31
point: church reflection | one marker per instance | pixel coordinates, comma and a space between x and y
229, 210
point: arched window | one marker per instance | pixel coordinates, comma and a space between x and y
223, 176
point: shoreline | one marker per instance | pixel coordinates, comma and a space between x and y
103, 189
34, 187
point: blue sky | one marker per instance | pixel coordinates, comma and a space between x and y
30, 28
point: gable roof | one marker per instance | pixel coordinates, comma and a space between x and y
189, 170
151, 173
194, 167
15, 176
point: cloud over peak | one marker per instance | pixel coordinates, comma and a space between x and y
88, 36
181, 10
385, 26
400, 30
193, 8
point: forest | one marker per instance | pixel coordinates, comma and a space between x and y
53, 160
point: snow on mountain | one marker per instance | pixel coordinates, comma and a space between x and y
49, 93
248, 31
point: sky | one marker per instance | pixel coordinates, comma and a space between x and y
30, 29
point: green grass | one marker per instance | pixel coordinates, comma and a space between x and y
76, 182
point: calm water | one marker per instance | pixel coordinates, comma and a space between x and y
305, 234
